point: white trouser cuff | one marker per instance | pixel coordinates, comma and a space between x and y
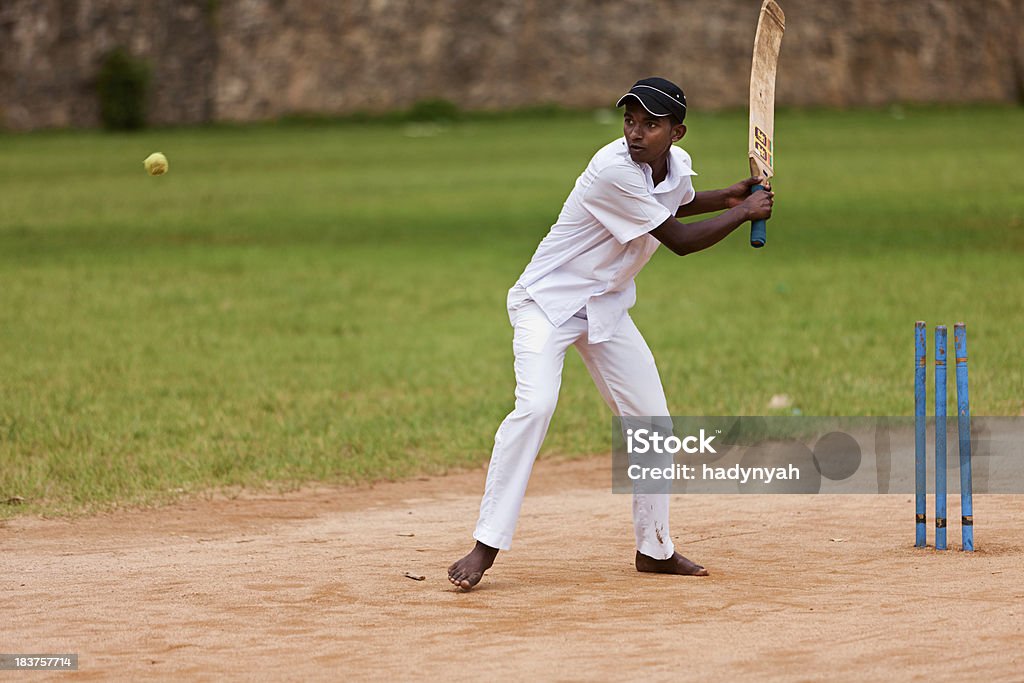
492, 538
659, 551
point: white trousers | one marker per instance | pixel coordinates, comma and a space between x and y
624, 371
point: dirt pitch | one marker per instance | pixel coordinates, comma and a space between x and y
311, 586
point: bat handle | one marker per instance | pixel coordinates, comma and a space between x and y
758, 228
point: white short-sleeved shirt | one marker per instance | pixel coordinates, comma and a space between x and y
600, 240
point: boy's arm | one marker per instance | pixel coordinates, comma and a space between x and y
717, 200
687, 238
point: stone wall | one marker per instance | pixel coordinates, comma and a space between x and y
244, 60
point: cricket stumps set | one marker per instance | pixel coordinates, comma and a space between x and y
963, 431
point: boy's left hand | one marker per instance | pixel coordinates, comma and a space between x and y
735, 194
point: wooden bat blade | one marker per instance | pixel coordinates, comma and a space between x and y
767, 41
771, 24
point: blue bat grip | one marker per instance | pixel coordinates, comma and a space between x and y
758, 228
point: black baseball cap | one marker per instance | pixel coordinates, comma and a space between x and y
659, 97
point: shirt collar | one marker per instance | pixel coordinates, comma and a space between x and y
676, 170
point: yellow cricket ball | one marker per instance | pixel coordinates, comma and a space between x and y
156, 164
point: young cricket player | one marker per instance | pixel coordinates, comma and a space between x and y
577, 291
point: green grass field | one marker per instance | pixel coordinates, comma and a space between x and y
326, 302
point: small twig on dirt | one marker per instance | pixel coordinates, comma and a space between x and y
739, 533
406, 535
414, 577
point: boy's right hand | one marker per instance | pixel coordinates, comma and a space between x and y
759, 205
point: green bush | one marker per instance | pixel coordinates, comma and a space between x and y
122, 86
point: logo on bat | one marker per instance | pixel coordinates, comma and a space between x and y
763, 146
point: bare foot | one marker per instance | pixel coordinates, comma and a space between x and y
677, 564
468, 571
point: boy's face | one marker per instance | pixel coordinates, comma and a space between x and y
649, 137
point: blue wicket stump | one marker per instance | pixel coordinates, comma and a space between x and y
920, 427
964, 431
940, 437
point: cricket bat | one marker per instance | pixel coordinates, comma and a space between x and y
770, 27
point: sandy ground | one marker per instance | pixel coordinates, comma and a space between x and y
310, 585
